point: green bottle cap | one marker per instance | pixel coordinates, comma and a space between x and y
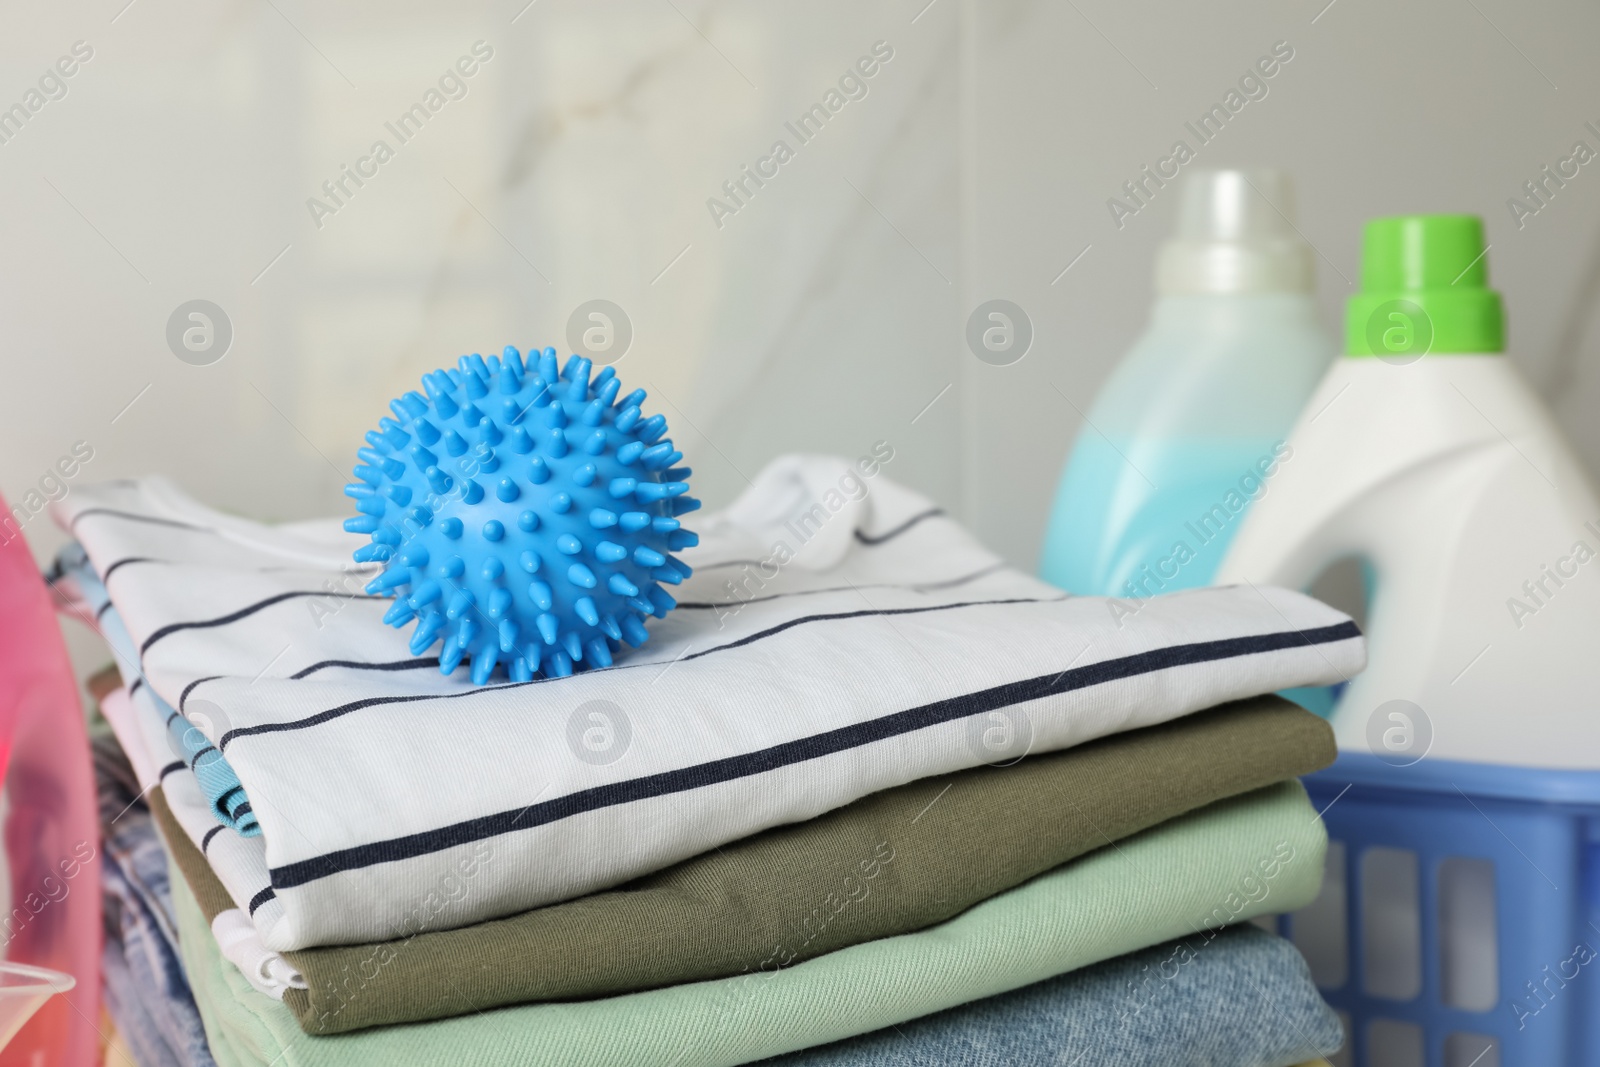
1424, 288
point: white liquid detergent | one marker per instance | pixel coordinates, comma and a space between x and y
1425, 456
1190, 427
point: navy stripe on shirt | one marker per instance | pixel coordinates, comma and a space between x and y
371, 702
800, 750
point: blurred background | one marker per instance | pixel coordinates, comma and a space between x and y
577, 162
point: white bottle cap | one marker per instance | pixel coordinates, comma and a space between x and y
1235, 234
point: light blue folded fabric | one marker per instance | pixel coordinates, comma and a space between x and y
217, 779
1242, 998
146, 989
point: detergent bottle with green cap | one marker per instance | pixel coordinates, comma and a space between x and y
1425, 457
1190, 428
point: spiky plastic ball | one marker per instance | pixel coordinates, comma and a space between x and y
524, 517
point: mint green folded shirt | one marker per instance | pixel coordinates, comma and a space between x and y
1256, 854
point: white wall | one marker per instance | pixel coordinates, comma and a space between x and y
824, 315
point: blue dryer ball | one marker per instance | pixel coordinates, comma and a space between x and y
523, 517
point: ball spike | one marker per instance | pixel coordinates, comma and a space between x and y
652, 428
483, 664
578, 391
661, 599
633, 630
450, 657
460, 604
389, 580
587, 610
426, 633
509, 632
399, 614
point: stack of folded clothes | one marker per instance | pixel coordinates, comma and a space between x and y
865, 774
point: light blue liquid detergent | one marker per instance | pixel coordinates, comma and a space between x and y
1189, 430
1146, 516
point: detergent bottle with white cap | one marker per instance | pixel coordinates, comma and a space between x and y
1424, 456
1191, 425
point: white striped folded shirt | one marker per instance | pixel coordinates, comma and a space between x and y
840, 636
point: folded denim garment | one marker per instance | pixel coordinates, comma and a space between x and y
826, 648
1227, 863
891, 863
146, 991
1241, 999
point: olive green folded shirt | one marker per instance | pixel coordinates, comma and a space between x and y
888, 864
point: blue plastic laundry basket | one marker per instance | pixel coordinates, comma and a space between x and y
1459, 924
